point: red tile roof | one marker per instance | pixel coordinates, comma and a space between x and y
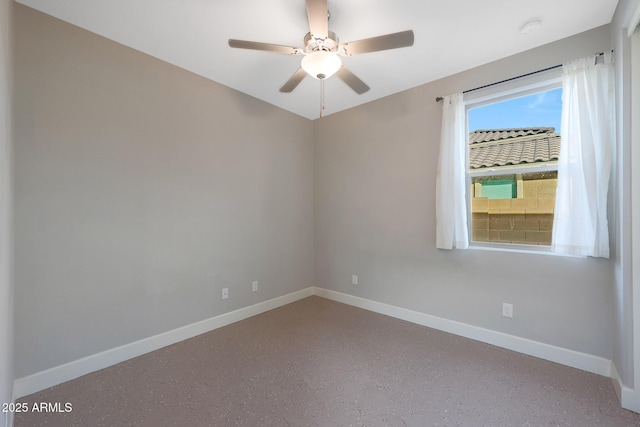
504, 147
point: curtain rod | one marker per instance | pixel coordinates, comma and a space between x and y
440, 98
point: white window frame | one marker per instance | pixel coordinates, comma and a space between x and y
540, 82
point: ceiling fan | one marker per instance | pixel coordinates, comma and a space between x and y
322, 49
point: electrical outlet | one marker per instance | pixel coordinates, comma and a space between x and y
354, 280
507, 309
225, 293
254, 286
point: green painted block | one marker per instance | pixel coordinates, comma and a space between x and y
499, 189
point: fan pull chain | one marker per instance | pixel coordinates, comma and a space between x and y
322, 105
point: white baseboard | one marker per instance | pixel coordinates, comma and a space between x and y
630, 399
575, 359
627, 396
618, 386
59, 374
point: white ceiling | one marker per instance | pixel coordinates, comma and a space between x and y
450, 36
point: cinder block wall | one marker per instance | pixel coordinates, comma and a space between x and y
528, 220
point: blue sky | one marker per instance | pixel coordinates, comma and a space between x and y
538, 110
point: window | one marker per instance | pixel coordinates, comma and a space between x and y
514, 146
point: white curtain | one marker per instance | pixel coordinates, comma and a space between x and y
580, 219
451, 206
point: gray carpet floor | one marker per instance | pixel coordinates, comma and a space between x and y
321, 363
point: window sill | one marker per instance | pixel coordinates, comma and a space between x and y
523, 249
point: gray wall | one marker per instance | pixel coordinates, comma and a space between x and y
142, 190
6, 285
375, 171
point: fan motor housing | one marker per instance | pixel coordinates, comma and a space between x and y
313, 44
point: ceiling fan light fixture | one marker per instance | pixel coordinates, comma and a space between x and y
321, 64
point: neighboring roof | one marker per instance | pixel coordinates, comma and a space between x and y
505, 147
